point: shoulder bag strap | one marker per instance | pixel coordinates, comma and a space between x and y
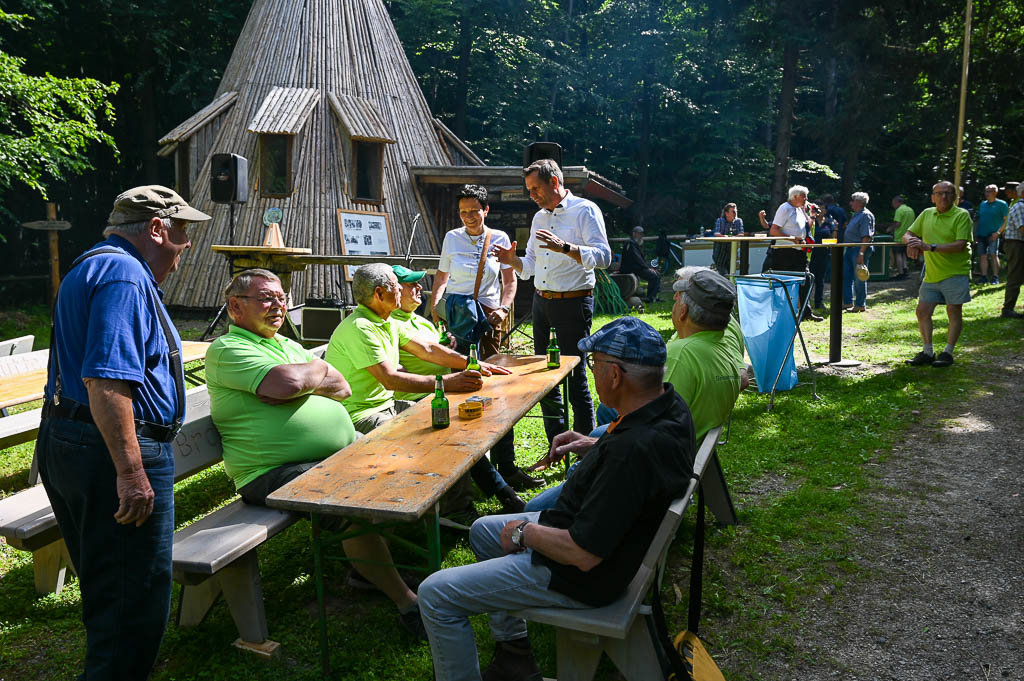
480, 266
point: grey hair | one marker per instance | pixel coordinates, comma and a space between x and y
367, 278
991, 187
133, 228
701, 316
242, 282
797, 189
860, 196
644, 375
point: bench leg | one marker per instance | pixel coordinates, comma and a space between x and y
243, 591
716, 493
50, 566
196, 601
578, 654
635, 656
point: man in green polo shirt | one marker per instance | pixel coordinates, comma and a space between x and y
904, 217
943, 233
366, 346
280, 411
483, 471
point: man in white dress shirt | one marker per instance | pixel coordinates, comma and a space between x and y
567, 243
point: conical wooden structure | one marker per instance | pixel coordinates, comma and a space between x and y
329, 80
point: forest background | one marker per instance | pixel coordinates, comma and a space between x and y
687, 104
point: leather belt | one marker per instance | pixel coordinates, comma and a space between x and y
556, 295
77, 411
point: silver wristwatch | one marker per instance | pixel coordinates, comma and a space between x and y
517, 535
506, 308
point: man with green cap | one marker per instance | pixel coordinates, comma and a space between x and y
484, 474
114, 400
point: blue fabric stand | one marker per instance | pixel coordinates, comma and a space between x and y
768, 321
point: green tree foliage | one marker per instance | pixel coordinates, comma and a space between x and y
47, 123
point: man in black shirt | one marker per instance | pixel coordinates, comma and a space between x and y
633, 263
585, 551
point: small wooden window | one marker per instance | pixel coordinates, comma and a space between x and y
183, 169
276, 166
367, 180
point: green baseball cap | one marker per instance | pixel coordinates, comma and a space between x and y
152, 201
407, 276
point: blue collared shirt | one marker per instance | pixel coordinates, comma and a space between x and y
576, 221
105, 326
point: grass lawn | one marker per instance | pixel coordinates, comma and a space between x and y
799, 475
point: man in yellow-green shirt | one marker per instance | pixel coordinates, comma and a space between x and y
280, 411
904, 217
944, 235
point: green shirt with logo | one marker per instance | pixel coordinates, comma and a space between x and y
933, 227
706, 369
363, 340
259, 437
421, 329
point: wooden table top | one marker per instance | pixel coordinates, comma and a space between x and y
744, 238
29, 386
401, 469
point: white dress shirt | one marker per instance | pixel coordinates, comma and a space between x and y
576, 221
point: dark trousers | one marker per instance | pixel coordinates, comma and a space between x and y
653, 282
819, 267
788, 260
1014, 271
503, 453
571, 319
124, 571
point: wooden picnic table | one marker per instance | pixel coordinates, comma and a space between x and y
399, 471
28, 386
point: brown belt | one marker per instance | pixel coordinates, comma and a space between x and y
554, 295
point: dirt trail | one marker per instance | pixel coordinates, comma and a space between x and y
941, 595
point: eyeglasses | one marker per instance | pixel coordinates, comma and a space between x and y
943, 193
591, 361
267, 299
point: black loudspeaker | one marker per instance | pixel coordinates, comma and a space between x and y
229, 178
538, 150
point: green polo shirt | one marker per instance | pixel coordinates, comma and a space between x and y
363, 340
933, 227
706, 369
905, 216
421, 329
259, 437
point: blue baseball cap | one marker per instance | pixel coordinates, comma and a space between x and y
628, 339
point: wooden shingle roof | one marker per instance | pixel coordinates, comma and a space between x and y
285, 110
361, 118
195, 122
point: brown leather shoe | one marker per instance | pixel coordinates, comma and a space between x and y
520, 481
512, 661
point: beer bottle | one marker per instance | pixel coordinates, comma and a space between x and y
474, 362
554, 354
444, 338
439, 416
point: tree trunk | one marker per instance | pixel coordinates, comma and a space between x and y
644, 151
784, 129
851, 156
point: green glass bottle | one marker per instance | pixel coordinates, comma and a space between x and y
554, 354
444, 338
439, 416
474, 362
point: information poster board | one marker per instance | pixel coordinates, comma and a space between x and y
363, 233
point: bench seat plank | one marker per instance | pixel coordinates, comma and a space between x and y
17, 429
26, 517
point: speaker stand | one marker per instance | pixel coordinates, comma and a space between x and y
216, 320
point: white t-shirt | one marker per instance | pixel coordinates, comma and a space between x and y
460, 258
791, 219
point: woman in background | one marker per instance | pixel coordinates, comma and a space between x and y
730, 224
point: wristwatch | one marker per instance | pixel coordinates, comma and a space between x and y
932, 247
566, 247
506, 308
517, 535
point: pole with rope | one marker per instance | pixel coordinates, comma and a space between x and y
963, 96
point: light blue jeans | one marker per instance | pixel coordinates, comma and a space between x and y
495, 584
855, 291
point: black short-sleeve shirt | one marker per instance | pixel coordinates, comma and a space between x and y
615, 500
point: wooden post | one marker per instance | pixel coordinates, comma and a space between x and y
963, 98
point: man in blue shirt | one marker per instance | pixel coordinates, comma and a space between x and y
115, 398
992, 215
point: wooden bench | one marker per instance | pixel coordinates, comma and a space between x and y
620, 629
19, 428
213, 556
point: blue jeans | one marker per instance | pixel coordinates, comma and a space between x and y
495, 584
571, 318
855, 291
124, 571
